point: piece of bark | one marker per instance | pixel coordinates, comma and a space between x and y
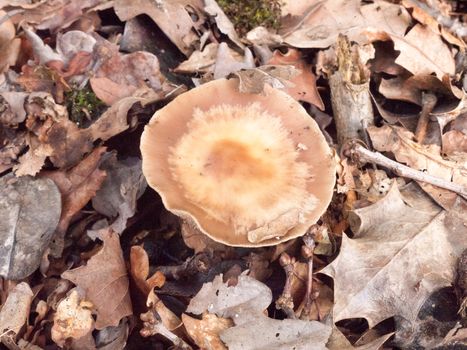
350, 95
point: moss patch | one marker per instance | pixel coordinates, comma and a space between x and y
248, 14
83, 106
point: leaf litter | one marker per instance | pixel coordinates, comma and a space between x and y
92, 259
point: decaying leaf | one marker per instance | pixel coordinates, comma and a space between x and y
121, 75
29, 213
304, 83
425, 158
139, 270
171, 17
394, 239
50, 15
253, 80
9, 44
123, 185
223, 22
205, 332
249, 296
228, 61
245, 304
267, 333
73, 318
105, 281
15, 311
424, 52
77, 186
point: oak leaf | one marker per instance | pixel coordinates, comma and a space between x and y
398, 257
104, 279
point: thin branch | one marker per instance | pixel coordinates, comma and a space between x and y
364, 155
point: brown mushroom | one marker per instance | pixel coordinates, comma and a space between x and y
247, 169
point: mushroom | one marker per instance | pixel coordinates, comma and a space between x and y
246, 169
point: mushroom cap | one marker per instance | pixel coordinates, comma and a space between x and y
249, 170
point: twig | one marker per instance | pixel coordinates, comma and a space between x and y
310, 297
362, 154
285, 301
428, 103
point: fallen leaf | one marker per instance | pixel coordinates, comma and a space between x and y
249, 296
424, 158
105, 281
13, 144
48, 15
319, 23
72, 319
304, 83
121, 75
420, 14
422, 246
15, 311
123, 185
245, 304
77, 186
139, 270
337, 341
228, 61
9, 44
222, 21
12, 104
199, 61
29, 213
113, 338
424, 52
205, 332
270, 334
171, 17
253, 80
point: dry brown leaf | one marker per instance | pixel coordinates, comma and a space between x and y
172, 17
245, 304
121, 189
15, 311
424, 158
223, 22
229, 61
424, 52
29, 212
104, 279
425, 18
319, 23
9, 44
205, 332
13, 143
121, 75
422, 246
199, 61
77, 186
338, 341
139, 270
253, 80
73, 318
304, 83
50, 15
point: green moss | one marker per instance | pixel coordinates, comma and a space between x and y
248, 14
83, 106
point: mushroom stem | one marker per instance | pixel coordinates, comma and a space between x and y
364, 155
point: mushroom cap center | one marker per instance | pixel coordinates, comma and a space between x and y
230, 158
